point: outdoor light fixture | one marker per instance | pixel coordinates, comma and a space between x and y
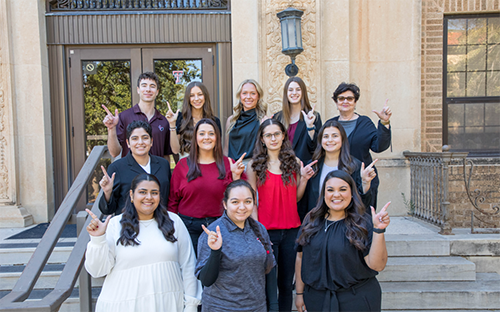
291, 37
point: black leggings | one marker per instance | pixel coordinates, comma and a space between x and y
194, 228
366, 296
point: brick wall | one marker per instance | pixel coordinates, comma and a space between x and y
432, 62
486, 178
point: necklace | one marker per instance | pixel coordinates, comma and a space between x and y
146, 223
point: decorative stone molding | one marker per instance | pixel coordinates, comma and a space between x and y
4, 168
275, 62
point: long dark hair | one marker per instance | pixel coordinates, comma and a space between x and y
288, 161
304, 100
356, 220
254, 225
130, 218
187, 125
192, 161
346, 162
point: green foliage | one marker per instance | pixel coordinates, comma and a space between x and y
410, 206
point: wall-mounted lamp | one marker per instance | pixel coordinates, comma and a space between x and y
291, 37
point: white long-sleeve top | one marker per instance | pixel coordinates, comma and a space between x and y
157, 275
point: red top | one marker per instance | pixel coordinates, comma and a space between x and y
201, 197
278, 203
291, 131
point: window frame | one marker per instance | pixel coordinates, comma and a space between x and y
462, 100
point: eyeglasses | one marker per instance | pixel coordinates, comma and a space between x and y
277, 135
343, 98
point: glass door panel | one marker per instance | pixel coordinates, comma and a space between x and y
104, 83
174, 76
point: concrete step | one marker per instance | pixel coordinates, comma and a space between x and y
20, 253
408, 245
426, 269
484, 293
48, 278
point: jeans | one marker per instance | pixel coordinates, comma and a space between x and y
284, 252
194, 228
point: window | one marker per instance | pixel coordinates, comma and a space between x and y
471, 88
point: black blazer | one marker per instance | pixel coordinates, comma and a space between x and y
126, 170
312, 191
302, 144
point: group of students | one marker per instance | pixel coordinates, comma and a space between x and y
289, 206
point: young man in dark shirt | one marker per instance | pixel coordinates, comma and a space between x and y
165, 140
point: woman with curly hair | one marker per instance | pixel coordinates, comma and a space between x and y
332, 153
196, 106
243, 124
340, 250
199, 181
145, 254
280, 180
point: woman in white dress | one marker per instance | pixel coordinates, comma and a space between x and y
146, 255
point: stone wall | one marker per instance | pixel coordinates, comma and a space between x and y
485, 191
432, 62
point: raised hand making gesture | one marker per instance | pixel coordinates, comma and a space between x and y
307, 172
214, 239
310, 117
106, 183
171, 117
237, 167
367, 175
96, 227
110, 121
385, 114
381, 220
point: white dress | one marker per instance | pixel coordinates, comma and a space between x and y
157, 275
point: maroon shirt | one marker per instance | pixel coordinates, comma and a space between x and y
159, 124
291, 131
201, 197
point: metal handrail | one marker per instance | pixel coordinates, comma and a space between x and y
14, 301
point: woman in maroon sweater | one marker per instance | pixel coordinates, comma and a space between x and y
199, 180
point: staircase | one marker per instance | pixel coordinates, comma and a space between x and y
14, 254
431, 272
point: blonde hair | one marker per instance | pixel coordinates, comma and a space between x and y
261, 107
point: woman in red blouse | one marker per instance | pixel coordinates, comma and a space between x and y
199, 180
280, 179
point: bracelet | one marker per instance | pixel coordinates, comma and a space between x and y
312, 128
385, 123
299, 294
379, 231
173, 128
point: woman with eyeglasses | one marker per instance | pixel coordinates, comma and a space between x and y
362, 134
280, 180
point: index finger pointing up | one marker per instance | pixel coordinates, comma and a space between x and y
385, 207
205, 229
106, 109
386, 100
169, 108
91, 214
372, 164
104, 171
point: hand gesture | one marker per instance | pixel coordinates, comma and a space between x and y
368, 173
214, 239
106, 182
385, 114
266, 118
238, 167
307, 172
381, 220
171, 117
96, 227
310, 117
110, 121
299, 303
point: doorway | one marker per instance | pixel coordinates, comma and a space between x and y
108, 76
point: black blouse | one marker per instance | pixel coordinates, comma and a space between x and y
243, 135
331, 262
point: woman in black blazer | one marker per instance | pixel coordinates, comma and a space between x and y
117, 179
299, 118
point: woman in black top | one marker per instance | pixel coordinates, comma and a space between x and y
243, 124
340, 250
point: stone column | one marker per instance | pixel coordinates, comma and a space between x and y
26, 174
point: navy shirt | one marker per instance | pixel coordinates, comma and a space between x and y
241, 283
159, 124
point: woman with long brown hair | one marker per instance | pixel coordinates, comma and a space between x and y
199, 181
280, 180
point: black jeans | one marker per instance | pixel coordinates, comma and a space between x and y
194, 228
365, 296
284, 252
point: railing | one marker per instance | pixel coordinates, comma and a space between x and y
429, 186
124, 5
15, 300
